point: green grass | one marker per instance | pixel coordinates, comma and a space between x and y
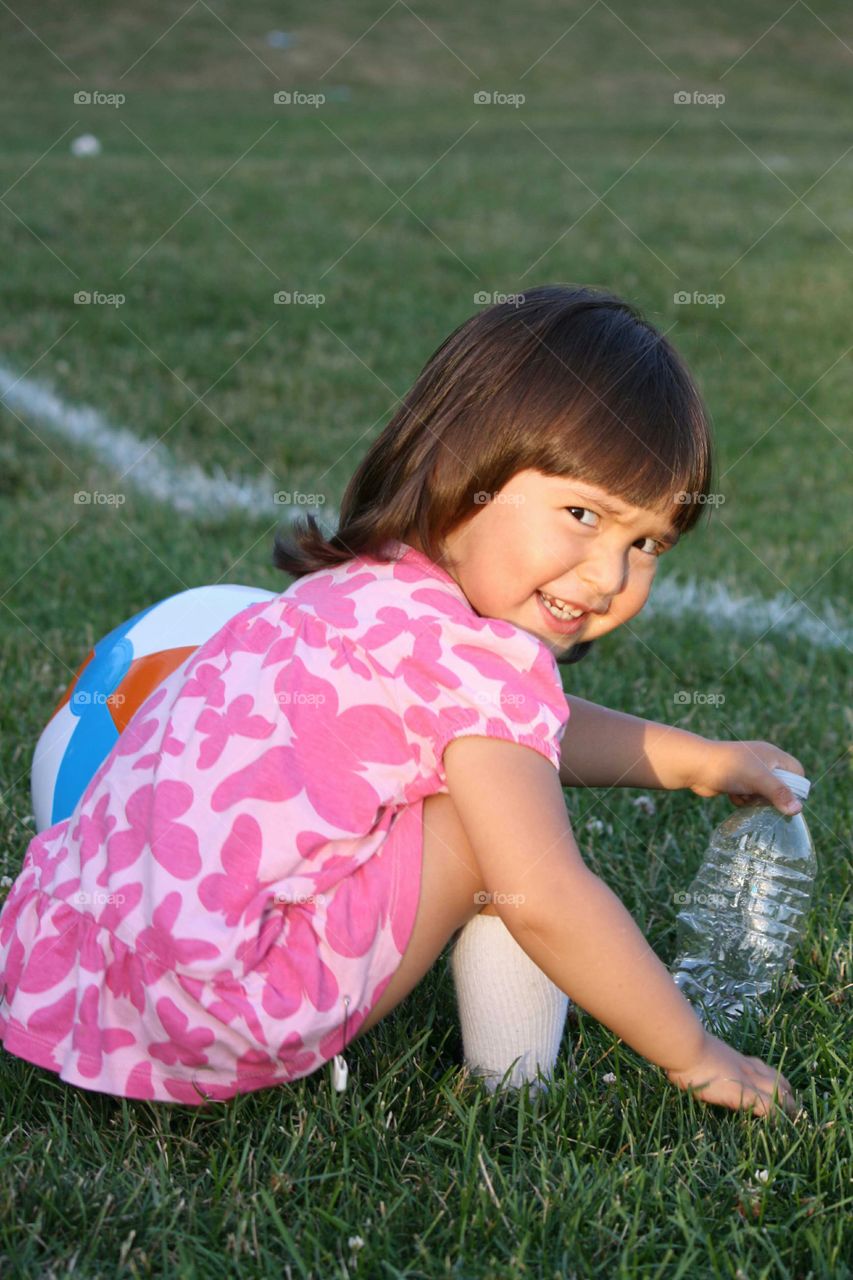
598, 1179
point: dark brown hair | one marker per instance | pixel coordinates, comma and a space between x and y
564, 379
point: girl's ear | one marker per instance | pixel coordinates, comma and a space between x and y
576, 653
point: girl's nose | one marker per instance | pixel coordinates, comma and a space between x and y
603, 573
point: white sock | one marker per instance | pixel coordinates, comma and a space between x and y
508, 1008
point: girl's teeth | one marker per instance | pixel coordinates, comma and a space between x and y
560, 611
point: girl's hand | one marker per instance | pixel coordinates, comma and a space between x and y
743, 771
725, 1077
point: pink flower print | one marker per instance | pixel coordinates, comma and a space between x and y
173, 844
235, 721
123, 898
125, 846
517, 698
244, 633
183, 1045
360, 907
231, 1002
299, 1064
205, 682
394, 623
310, 844
52, 958
193, 1094
346, 655
170, 745
419, 671
448, 605
340, 744
138, 1083
15, 965
48, 863
125, 975
158, 941
92, 832
52, 1023
281, 650
296, 968
91, 954
90, 1040
275, 775
254, 1068
22, 889
330, 598
240, 858
438, 728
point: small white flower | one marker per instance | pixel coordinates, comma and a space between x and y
355, 1243
762, 1175
646, 803
609, 1078
5, 882
595, 825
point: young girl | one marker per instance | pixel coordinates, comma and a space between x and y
297, 821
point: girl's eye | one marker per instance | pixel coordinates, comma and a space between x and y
586, 509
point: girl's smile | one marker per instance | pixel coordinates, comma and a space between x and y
553, 536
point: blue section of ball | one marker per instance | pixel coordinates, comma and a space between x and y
96, 734
88, 747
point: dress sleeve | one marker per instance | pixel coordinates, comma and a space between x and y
496, 681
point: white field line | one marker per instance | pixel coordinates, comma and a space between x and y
150, 466
191, 491
779, 616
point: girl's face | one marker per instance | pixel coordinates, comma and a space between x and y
557, 535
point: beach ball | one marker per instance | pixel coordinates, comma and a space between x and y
114, 680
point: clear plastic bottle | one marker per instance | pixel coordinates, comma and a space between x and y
746, 909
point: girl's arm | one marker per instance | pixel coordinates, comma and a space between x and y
604, 748
574, 927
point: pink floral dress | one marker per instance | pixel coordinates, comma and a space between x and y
240, 879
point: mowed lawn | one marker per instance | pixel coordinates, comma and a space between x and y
399, 199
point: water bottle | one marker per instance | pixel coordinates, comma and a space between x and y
746, 909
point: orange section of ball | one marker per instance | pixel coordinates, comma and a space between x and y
143, 677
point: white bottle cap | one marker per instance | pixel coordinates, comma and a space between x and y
797, 783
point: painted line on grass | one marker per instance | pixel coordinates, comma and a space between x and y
152, 468
189, 490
